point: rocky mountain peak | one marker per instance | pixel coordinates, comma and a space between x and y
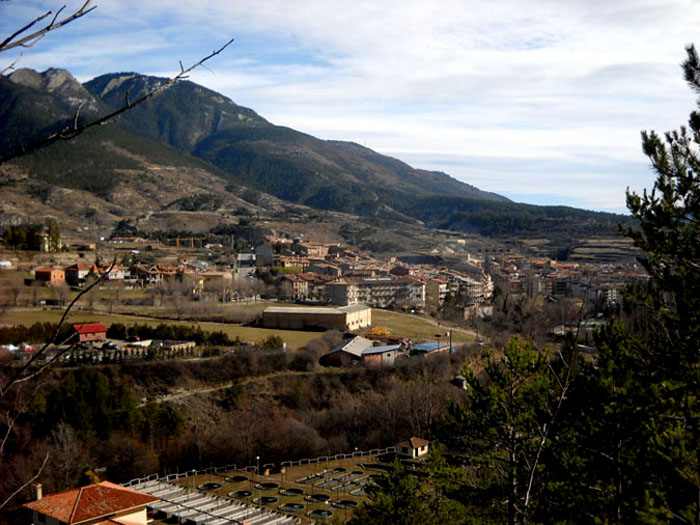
61, 80
27, 77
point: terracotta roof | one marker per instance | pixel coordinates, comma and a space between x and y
88, 503
414, 442
89, 328
418, 442
79, 266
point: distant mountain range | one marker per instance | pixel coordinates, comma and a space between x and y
193, 126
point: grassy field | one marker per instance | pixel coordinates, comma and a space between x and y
294, 339
415, 326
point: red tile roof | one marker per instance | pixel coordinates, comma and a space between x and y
80, 266
89, 328
88, 503
414, 443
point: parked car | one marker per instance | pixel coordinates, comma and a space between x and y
109, 345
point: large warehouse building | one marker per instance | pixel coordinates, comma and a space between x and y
344, 318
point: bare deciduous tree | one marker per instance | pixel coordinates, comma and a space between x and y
32, 32
68, 458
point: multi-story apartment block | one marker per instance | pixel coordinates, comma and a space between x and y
380, 292
436, 291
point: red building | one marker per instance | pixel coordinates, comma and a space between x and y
90, 332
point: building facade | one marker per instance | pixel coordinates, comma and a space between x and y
50, 276
348, 318
380, 292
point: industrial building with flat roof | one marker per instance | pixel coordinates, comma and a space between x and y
352, 317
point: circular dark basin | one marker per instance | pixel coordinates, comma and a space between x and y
267, 486
318, 498
236, 479
209, 486
291, 492
345, 504
266, 500
320, 514
240, 494
292, 507
358, 472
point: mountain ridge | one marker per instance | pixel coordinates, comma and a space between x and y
319, 173
200, 128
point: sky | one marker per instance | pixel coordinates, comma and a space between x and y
541, 101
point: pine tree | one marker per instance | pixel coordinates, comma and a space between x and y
501, 431
630, 451
395, 499
669, 236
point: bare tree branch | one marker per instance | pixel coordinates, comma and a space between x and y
17, 39
70, 132
19, 408
546, 427
11, 66
26, 484
77, 115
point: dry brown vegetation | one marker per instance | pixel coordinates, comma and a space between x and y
279, 406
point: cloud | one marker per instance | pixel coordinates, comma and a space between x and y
505, 94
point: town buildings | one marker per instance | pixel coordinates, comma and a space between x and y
336, 275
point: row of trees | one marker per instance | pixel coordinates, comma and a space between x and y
37, 237
610, 438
